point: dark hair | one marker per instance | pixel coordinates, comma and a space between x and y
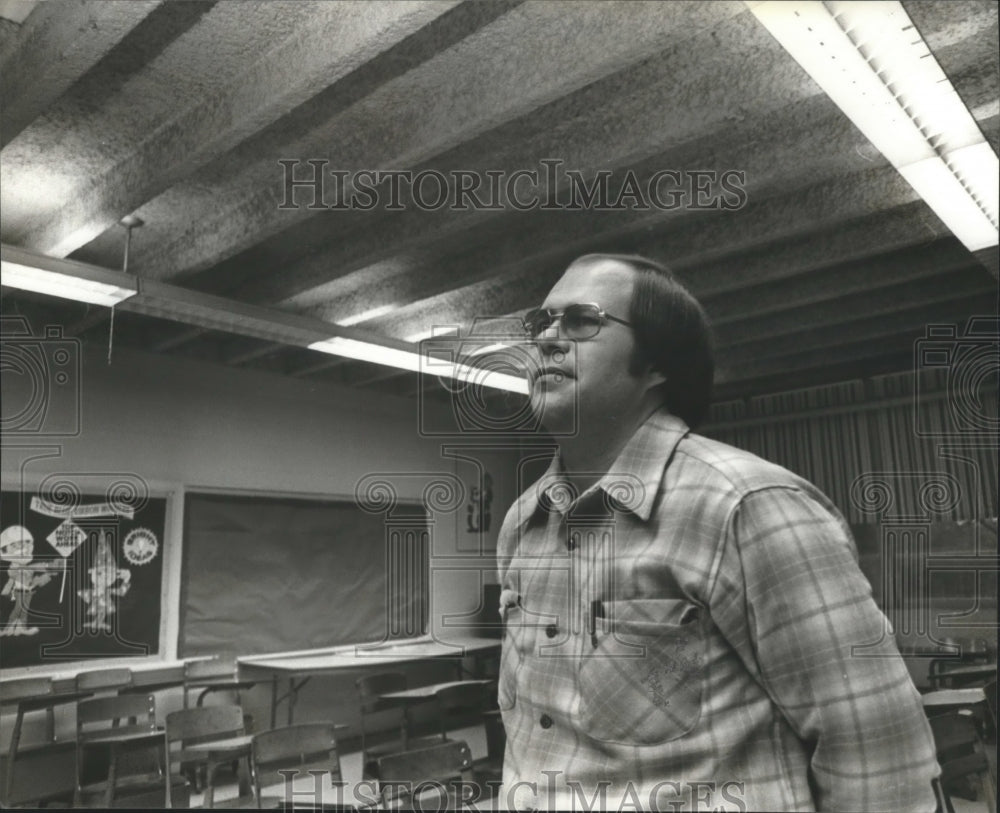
672, 335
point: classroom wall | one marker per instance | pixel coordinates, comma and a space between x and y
181, 424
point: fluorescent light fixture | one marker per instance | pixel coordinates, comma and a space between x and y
950, 201
364, 316
366, 351
101, 286
419, 363
67, 279
870, 60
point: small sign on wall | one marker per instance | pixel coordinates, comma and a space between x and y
479, 510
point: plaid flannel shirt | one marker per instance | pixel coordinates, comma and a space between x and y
694, 632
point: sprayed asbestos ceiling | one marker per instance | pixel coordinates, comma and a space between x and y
814, 258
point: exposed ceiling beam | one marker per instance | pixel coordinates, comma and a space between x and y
31, 79
553, 132
665, 129
327, 45
836, 282
461, 92
910, 320
813, 360
177, 336
867, 304
320, 366
516, 283
818, 376
252, 353
350, 293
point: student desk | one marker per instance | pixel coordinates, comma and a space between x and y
298, 667
40, 698
960, 676
34, 694
423, 694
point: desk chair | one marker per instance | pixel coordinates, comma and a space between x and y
990, 690
207, 738
135, 756
32, 695
972, 703
437, 777
971, 666
103, 681
961, 755
303, 755
217, 674
961, 675
370, 688
491, 768
29, 694
456, 704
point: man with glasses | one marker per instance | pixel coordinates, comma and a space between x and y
681, 615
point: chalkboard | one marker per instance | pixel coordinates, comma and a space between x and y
272, 574
80, 576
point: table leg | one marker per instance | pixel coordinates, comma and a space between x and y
109, 793
274, 702
243, 777
15, 739
168, 800
293, 696
209, 799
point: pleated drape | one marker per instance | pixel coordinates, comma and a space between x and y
918, 440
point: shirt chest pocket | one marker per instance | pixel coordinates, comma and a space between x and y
642, 680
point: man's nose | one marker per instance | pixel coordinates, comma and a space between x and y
552, 335
552, 347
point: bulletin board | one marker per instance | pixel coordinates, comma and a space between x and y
270, 574
80, 577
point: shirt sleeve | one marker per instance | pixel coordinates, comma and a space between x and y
792, 600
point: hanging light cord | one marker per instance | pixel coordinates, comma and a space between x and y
129, 223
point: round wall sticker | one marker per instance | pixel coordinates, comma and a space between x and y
140, 546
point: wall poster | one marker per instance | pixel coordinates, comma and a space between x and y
80, 576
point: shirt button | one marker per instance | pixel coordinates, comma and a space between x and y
551, 630
545, 721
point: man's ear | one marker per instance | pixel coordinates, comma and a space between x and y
654, 379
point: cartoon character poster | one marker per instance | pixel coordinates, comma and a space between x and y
80, 580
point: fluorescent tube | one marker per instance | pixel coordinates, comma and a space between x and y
27, 277
870, 60
418, 363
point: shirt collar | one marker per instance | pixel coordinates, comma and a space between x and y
631, 483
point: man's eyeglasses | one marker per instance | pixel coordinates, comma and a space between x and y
577, 321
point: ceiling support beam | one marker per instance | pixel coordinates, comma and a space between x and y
276, 82
31, 80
